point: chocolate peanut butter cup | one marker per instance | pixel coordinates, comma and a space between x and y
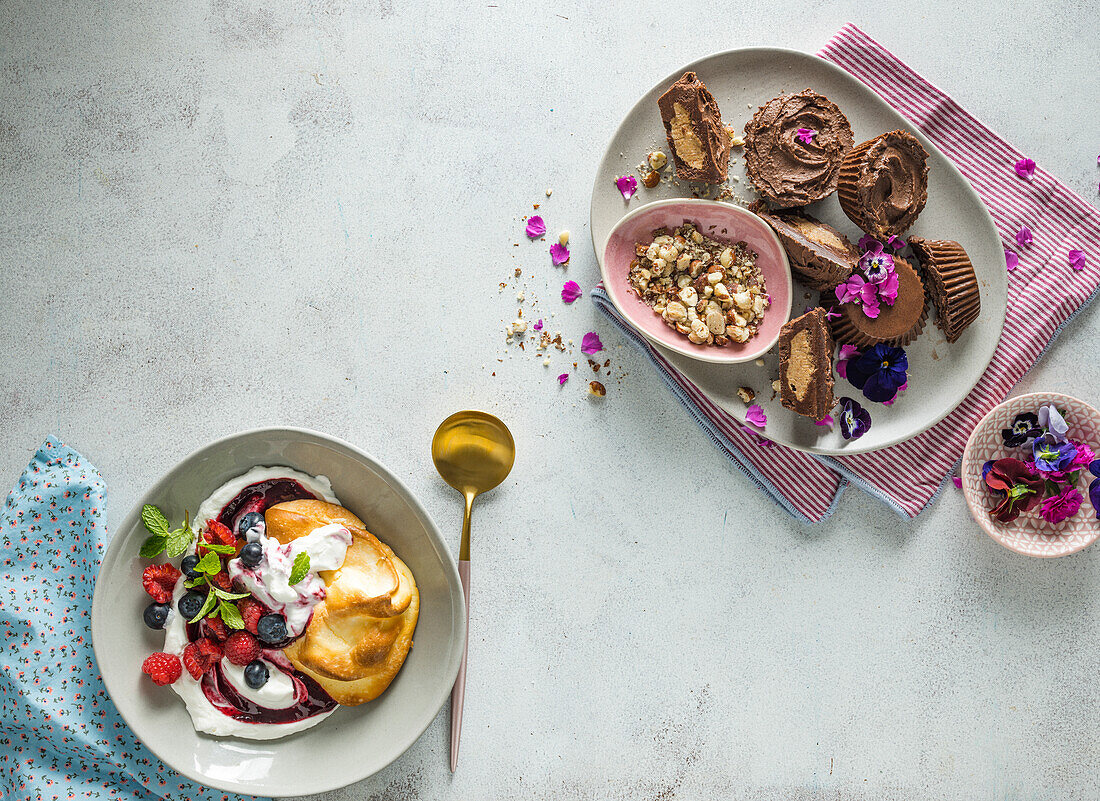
693, 125
820, 255
883, 183
806, 365
794, 145
895, 325
951, 283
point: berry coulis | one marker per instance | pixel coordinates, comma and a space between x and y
309, 697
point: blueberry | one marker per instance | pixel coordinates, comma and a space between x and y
255, 674
156, 615
251, 554
188, 566
271, 628
191, 604
252, 520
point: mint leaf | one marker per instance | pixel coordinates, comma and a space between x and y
229, 596
152, 547
154, 520
231, 615
217, 547
300, 568
178, 541
208, 605
210, 563
198, 581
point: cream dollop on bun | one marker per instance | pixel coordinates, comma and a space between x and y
361, 633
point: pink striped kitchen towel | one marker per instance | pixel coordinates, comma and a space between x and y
1044, 293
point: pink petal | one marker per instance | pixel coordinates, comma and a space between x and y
827, 420
1023, 236
538, 326
866, 242
848, 351
896, 242
958, 482
1025, 168
571, 291
806, 135
590, 343
562, 379
628, 185
755, 415
535, 227
1011, 260
1077, 259
559, 253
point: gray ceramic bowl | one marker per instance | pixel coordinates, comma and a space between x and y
354, 742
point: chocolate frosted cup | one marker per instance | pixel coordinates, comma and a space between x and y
789, 168
693, 126
896, 325
820, 255
883, 183
950, 280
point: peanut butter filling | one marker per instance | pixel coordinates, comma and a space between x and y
800, 366
688, 146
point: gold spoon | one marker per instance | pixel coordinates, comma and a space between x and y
473, 452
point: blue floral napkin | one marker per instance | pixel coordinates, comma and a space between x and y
60, 735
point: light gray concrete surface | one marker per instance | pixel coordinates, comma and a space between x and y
243, 212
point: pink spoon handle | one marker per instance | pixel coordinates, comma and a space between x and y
459, 691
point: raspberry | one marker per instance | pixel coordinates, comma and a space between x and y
241, 648
162, 668
159, 581
219, 533
201, 655
222, 581
215, 628
251, 610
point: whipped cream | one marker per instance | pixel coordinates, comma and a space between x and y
204, 715
269, 581
277, 692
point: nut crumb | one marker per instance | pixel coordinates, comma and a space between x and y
597, 389
746, 395
519, 272
549, 192
657, 160
760, 362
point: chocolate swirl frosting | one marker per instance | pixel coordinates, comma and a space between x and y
790, 169
884, 183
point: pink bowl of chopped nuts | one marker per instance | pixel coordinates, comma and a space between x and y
702, 278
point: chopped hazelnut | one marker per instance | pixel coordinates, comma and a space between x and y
597, 389
657, 159
746, 394
651, 179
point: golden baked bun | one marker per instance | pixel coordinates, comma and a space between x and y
360, 634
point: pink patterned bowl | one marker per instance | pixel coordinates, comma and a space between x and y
730, 224
1029, 534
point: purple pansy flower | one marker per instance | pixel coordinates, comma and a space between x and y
879, 372
876, 263
1025, 427
1094, 487
854, 419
